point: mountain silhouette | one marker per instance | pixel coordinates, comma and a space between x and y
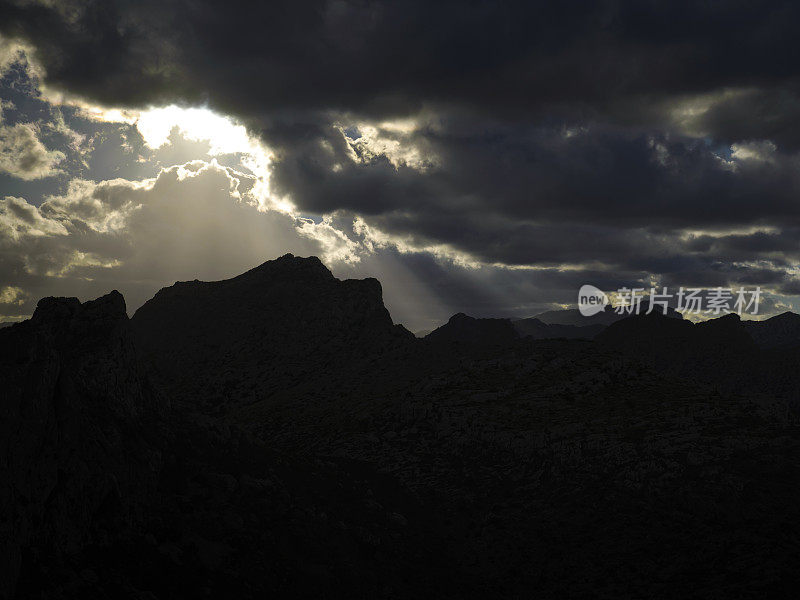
478, 332
277, 434
286, 323
484, 333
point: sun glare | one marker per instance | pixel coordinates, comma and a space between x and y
225, 136
195, 124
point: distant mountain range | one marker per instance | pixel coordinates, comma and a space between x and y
276, 434
606, 317
780, 331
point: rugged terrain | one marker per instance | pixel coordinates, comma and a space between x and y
277, 433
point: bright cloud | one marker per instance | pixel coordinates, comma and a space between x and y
193, 220
23, 155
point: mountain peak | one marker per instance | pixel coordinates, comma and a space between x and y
53, 308
728, 320
290, 265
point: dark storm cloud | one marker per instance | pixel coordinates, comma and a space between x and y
386, 56
637, 253
599, 134
772, 113
550, 175
785, 242
539, 196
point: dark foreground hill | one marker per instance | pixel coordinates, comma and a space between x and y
276, 434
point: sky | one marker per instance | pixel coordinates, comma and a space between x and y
478, 157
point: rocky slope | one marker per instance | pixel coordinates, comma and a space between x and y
107, 491
76, 414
